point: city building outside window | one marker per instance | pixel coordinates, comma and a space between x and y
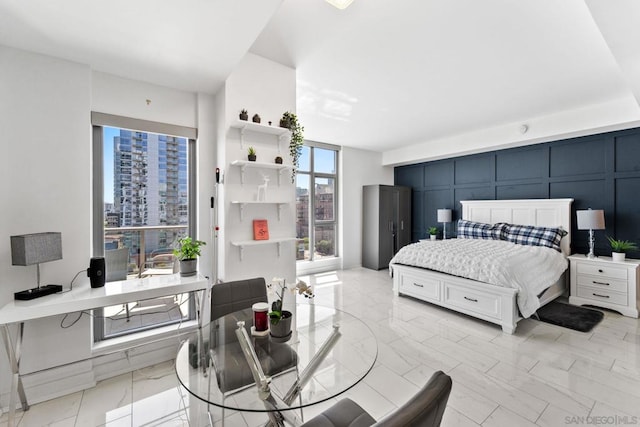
316, 202
143, 189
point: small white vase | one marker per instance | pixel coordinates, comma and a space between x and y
432, 236
618, 256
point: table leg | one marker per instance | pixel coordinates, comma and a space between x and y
14, 360
276, 407
313, 365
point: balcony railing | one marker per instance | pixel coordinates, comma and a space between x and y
158, 260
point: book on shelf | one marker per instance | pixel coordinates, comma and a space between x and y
260, 229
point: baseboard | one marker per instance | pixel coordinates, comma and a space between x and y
77, 376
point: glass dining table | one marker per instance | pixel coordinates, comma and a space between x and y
224, 365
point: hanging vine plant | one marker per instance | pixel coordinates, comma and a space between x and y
290, 121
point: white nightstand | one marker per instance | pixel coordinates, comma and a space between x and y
605, 283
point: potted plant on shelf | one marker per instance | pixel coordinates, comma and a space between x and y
280, 319
187, 252
433, 231
251, 154
244, 115
619, 248
289, 120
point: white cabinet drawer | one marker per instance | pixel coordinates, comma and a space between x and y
602, 295
423, 288
481, 303
612, 272
602, 283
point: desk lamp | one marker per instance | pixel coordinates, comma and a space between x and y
444, 216
591, 220
29, 249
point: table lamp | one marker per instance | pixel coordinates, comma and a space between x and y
591, 220
29, 249
444, 216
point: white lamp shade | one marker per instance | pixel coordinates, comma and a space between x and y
444, 215
592, 219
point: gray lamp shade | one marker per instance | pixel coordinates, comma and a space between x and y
29, 249
444, 215
592, 219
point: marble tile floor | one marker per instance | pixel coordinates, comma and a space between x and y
542, 375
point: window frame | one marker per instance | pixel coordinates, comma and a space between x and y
312, 174
98, 122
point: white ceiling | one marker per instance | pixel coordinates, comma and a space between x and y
379, 75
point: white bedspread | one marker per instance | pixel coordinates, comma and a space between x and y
529, 269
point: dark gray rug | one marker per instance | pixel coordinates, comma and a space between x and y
570, 316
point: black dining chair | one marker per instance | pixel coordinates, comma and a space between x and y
275, 358
425, 409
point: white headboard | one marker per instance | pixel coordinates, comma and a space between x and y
539, 212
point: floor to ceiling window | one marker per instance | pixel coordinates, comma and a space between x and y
143, 203
317, 202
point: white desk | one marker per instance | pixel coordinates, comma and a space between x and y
82, 297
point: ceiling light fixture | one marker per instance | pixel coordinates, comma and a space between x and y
340, 4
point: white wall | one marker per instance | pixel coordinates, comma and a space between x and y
616, 114
45, 121
128, 98
45, 106
357, 168
269, 89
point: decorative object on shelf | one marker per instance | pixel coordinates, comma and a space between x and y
591, 219
187, 251
251, 154
262, 189
269, 122
29, 249
260, 229
256, 118
289, 120
444, 216
280, 319
244, 115
619, 248
433, 232
278, 160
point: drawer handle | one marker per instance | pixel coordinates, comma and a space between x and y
418, 285
601, 296
600, 270
600, 283
470, 299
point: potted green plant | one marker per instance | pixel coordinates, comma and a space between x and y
433, 232
619, 248
280, 319
251, 154
244, 115
289, 120
187, 251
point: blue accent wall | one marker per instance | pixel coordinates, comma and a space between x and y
598, 171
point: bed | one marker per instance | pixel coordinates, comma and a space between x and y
496, 304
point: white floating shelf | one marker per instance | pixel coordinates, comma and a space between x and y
242, 204
281, 133
259, 127
244, 164
278, 241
